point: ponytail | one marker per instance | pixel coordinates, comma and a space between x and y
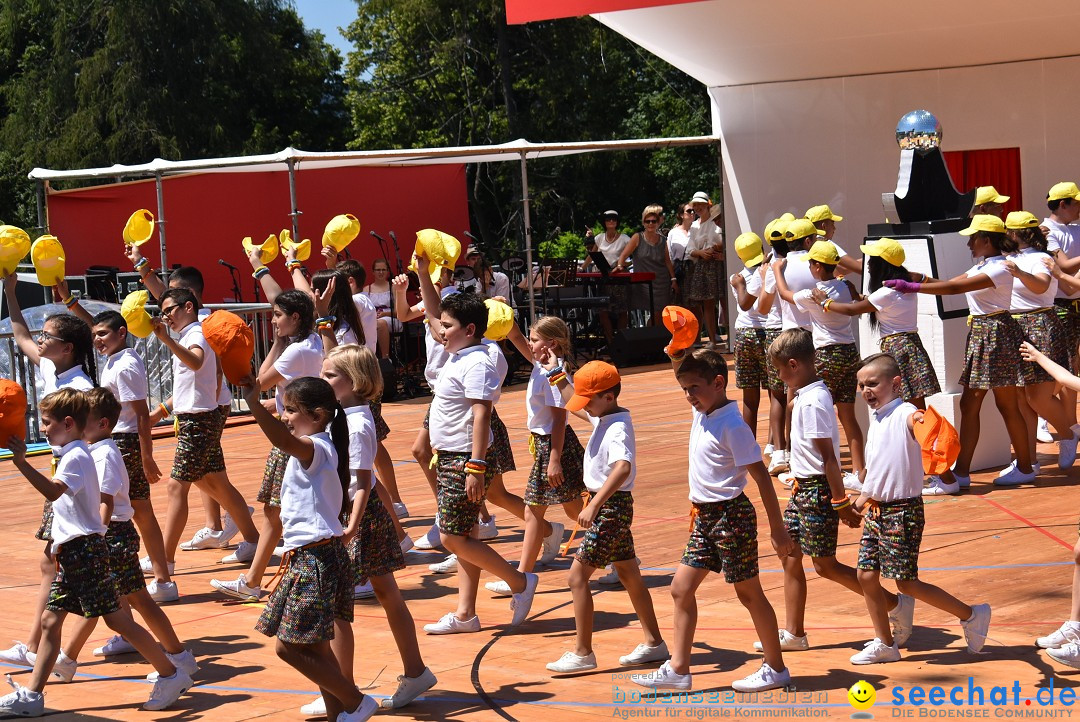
339, 433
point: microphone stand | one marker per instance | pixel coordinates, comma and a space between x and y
397, 253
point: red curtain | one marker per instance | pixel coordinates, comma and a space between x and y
998, 167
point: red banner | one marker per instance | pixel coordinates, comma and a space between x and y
525, 11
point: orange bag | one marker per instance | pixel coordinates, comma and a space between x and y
939, 441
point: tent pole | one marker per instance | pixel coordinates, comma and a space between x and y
528, 235
161, 219
724, 303
42, 219
295, 214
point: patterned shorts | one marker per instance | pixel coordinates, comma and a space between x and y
1046, 332
198, 445
917, 376
374, 551
837, 365
810, 519
992, 358
382, 429
751, 361
772, 375
1069, 313
457, 513
123, 542
44, 531
890, 540
609, 539
139, 486
316, 589
538, 492
427, 418
83, 584
273, 474
500, 451
724, 539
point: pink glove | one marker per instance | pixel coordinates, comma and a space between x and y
903, 286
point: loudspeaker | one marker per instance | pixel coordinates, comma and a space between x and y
639, 346
389, 379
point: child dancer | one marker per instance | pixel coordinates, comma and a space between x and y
751, 362
609, 476
316, 588
777, 449
723, 453
893, 521
83, 584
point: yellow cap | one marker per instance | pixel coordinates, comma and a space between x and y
817, 214
748, 246
789, 217
139, 227
823, 252
983, 222
886, 249
303, 248
500, 319
48, 257
134, 312
14, 245
989, 194
1063, 190
1020, 219
442, 251
341, 231
800, 228
268, 249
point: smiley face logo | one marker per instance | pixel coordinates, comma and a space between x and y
862, 695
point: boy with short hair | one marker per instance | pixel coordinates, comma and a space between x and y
893, 521
723, 452
609, 476
83, 582
818, 501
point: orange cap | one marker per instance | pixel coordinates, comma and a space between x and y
591, 379
683, 325
939, 441
12, 411
233, 342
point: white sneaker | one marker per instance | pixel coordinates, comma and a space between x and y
167, 690
1067, 452
430, 540
521, 603
975, 629
406, 544
64, 669
902, 618
768, 450
1035, 468
1069, 632
446, 566
185, 662
1016, 477
363, 591
571, 662
644, 654
450, 624
787, 478
1067, 654
401, 510
238, 589
789, 642
116, 645
245, 552
23, 702
876, 652
937, 487
368, 707
1042, 431
17, 654
663, 678
765, 678
552, 541
778, 462
148, 568
163, 592
205, 538
486, 530
409, 688
851, 481
229, 529
314, 708
500, 588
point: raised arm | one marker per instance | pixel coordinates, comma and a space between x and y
855, 308
269, 286
276, 431
19, 329
61, 292
154, 285
398, 286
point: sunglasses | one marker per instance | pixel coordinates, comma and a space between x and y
652, 221
166, 312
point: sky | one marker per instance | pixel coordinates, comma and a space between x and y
328, 16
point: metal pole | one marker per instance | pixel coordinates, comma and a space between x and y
295, 214
42, 217
725, 303
528, 235
161, 220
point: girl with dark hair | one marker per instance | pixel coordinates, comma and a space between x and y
346, 323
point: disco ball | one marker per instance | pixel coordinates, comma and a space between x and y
918, 130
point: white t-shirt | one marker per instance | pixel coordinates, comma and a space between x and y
1066, 240
677, 239
894, 468
798, 277
751, 318
812, 417
225, 395
468, 375
774, 319
612, 441
369, 319
124, 373
540, 398
829, 329
1023, 298
611, 250
362, 444
299, 359
997, 297
195, 392
721, 447
896, 312
703, 234
77, 512
73, 378
436, 352
494, 352
311, 497
112, 477
345, 335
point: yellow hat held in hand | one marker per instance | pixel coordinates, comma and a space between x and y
303, 248
14, 245
48, 257
442, 251
341, 231
268, 250
134, 312
887, 249
500, 319
1020, 219
985, 223
139, 227
823, 252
